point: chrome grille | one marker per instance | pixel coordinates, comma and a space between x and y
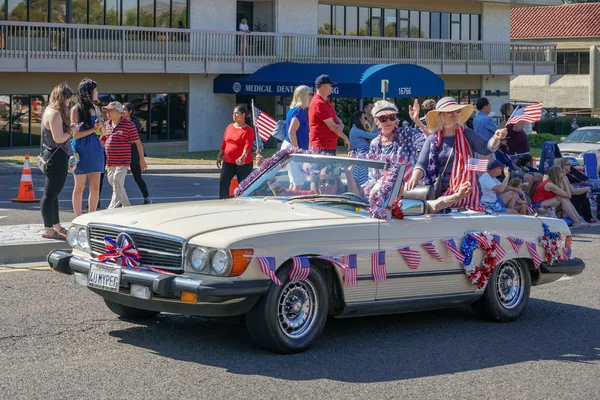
156, 250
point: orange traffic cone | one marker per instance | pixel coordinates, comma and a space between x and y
26, 193
234, 184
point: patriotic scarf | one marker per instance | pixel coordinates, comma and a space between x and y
460, 172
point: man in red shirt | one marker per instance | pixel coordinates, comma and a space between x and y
117, 137
325, 126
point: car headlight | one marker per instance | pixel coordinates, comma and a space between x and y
221, 262
199, 259
72, 236
82, 239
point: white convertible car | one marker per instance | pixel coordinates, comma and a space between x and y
341, 240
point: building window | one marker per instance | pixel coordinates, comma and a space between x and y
404, 24
129, 14
475, 27
465, 27
424, 31
38, 11
390, 20
324, 19
573, 63
435, 25
338, 20
445, 30
364, 19
376, 22
351, 21
179, 14
79, 14
455, 27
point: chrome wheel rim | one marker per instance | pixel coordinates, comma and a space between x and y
509, 285
298, 306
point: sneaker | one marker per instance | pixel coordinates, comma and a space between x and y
591, 221
147, 200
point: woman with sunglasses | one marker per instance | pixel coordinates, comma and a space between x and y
444, 159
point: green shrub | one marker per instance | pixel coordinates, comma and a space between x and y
539, 139
562, 125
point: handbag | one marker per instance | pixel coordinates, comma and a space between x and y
437, 185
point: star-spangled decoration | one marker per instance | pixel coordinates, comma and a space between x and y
535, 256
123, 253
516, 243
550, 241
300, 269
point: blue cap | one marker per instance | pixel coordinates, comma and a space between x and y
495, 164
323, 79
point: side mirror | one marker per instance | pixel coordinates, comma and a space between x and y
562, 139
412, 207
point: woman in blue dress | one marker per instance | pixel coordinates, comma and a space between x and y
86, 144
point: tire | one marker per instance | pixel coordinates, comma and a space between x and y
272, 328
130, 312
503, 299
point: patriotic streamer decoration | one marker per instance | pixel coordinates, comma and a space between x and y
451, 245
516, 243
468, 247
493, 252
500, 252
430, 248
567, 253
300, 269
268, 267
535, 256
124, 253
412, 257
378, 268
550, 241
481, 239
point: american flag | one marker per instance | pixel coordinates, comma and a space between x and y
516, 243
300, 269
412, 257
268, 266
478, 164
378, 268
430, 247
350, 274
481, 239
500, 252
264, 124
451, 245
567, 253
530, 113
535, 256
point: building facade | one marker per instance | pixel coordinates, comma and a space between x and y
576, 31
164, 55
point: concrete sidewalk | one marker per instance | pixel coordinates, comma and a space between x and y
24, 243
7, 169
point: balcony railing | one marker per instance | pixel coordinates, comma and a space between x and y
44, 47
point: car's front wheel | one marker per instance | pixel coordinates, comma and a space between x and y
290, 317
130, 312
506, 294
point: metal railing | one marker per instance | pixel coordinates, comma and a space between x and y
41, 46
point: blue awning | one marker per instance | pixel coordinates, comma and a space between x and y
353, 80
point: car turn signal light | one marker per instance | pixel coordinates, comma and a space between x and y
189, 297
241, 259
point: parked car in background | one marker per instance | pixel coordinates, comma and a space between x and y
582, 140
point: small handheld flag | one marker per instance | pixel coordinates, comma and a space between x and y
264, 124
478, 164
530, 113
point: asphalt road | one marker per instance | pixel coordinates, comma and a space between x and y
162, 188
58, 340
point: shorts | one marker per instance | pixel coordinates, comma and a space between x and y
496, 206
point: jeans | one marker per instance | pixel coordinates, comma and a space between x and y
116, 178
136, 171
228, 171
56, 176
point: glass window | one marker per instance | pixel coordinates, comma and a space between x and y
130, 13
351, 21
435, 25
112, 12
464, 97
465, 27
425, 24
4, 121
79, 12
445, 31
414, 24
324, 19
163, 14
338, 20
474, 27
455, 27
403, 30
177, 116
20, 121
376, 22
38, 103
474, 96
17, 10
159, 113
584, 63
363, 21
38, 11
390, 23
146, 12
142, 112
179, 19
97, 12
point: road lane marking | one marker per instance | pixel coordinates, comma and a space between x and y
10, 269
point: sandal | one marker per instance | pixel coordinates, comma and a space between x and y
55, 235
62, 231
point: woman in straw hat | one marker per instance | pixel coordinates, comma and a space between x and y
444, 159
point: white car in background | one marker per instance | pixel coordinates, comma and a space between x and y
580, 141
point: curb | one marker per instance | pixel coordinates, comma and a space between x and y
151, 171
28, 252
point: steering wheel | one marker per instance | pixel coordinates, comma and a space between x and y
354, 197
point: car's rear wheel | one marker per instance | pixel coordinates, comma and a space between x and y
507, 293
289, 318
130, 312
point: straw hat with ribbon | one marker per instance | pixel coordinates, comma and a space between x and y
448, 104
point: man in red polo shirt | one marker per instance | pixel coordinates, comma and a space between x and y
325, 126
119, 133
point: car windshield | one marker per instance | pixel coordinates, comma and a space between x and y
319, 178
584, 136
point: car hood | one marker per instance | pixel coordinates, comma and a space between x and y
188, 219
578, 147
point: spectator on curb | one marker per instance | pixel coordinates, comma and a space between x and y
579, 195
413, 112
57, 149
532, 176
325, 126
499, 196
296, 133
516, 138
135, 168
370, 121
235, 155
506, 111
483, 124
119, 134
574, 125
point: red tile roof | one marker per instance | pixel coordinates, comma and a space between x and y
569, 20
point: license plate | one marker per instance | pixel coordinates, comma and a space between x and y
105, 277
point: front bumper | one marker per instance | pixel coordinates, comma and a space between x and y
214, 298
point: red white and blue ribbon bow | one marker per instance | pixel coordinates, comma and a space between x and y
123, 253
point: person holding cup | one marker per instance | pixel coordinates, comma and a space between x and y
235, 155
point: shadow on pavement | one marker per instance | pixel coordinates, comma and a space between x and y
384, 348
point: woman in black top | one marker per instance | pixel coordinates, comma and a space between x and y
136, 170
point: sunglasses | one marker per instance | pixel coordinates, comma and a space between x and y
386, 118
325, 182
452, 112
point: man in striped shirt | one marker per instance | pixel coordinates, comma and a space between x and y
117, 137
